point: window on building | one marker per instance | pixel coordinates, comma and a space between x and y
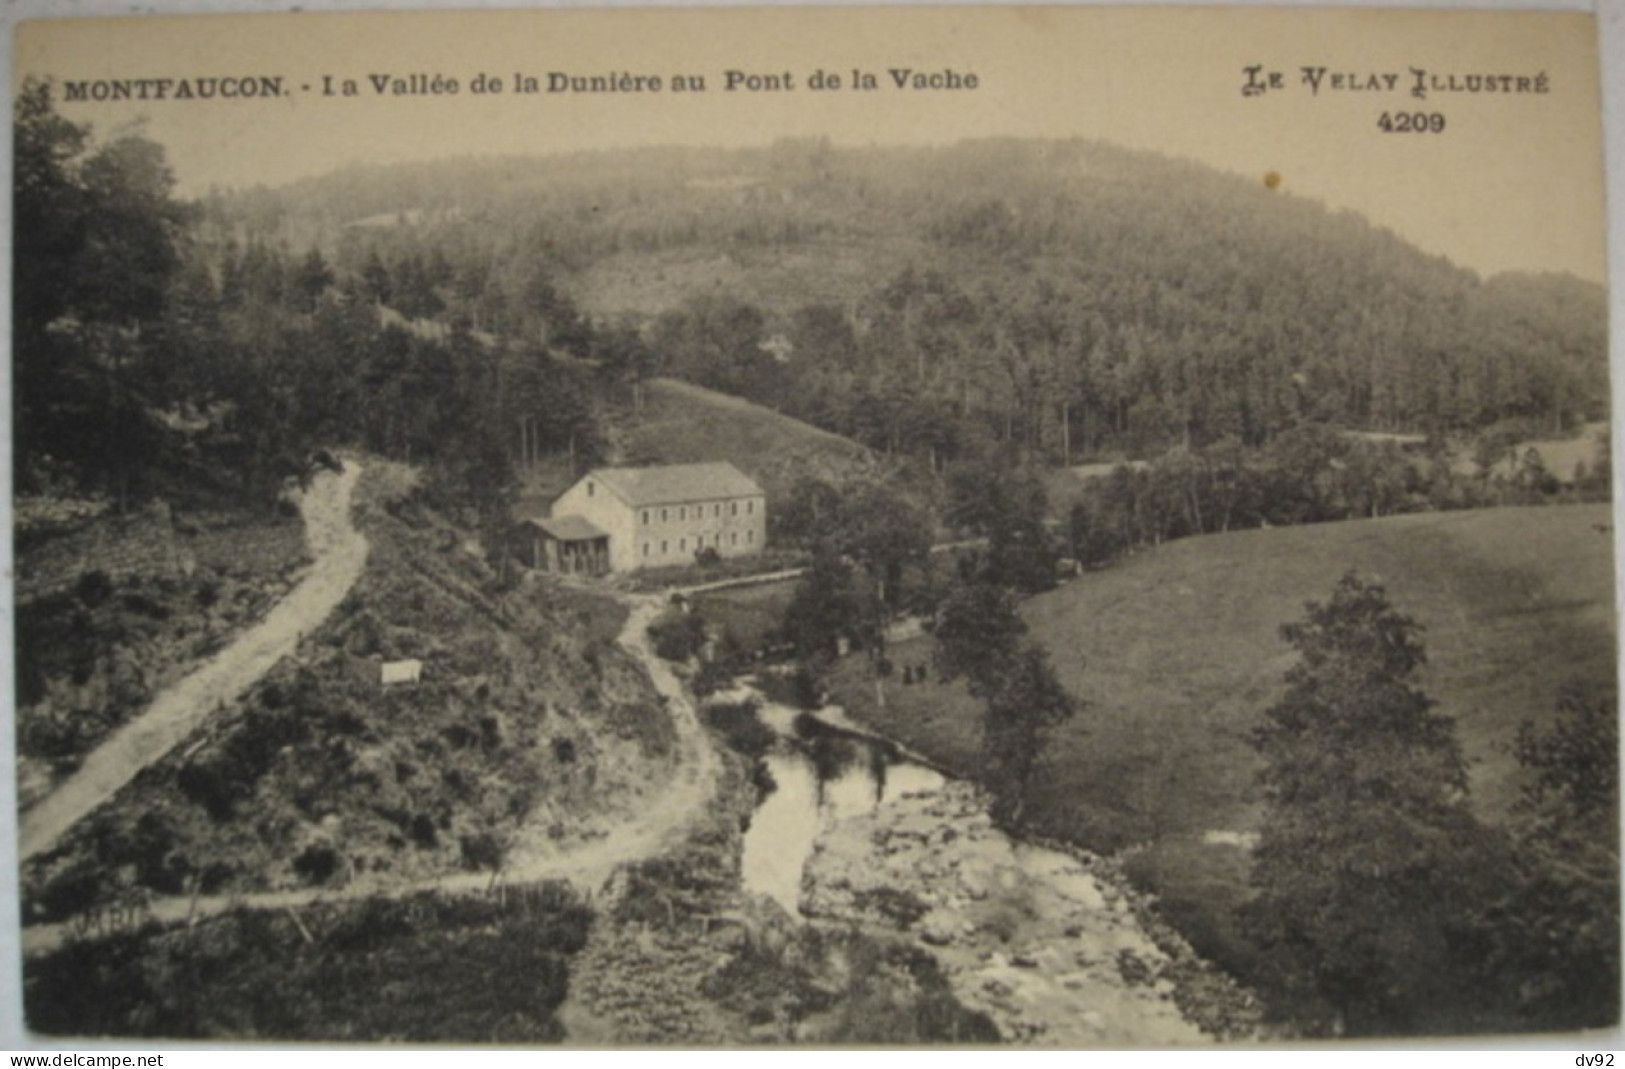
591, 489
733, 508
682, 513
645, 517
750, 536
645, 549
682, 545
750, 507
665, 514
716, 510
662, 547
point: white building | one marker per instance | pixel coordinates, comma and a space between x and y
662, 516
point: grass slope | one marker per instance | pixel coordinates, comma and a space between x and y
1177, 650
682, 423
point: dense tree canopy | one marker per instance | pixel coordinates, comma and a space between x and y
1370, 864
1067, 298
1552, 940
101, 238
154, 342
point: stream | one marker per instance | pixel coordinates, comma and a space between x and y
857, 833
823, 775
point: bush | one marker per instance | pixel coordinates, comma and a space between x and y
94, 588
427, 968
712, 677
677, 636
316, 863
740, 727
800, 688
903, 908
209, 785
483, 851
423, 832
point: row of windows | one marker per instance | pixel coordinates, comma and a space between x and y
699, 511
699, 542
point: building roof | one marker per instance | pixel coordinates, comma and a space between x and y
567, 528
673, 484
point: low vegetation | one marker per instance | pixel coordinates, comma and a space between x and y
739, 727
428, 968
116, 609
528, 711
678, 635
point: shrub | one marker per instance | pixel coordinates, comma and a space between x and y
902, 908
423, 831
740, 727
94, 588
677, 636
800, 688
209, 785
482, 851
712, 677
316, 863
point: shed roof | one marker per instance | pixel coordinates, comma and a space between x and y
673, 484
568, 528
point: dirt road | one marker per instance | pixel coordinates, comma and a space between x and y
661, 824
339, 552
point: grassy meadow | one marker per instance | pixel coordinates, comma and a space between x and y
1176, 651
751, 614
684, 424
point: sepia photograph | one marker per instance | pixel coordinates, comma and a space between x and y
1038, 527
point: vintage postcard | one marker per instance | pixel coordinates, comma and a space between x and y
1041, 526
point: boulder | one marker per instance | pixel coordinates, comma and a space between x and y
937, 928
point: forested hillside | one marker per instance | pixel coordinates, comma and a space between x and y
1068, 301
1073, 298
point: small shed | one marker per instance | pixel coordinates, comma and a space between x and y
397, 672
569, 545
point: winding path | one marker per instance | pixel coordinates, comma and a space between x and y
339, 552
662, 823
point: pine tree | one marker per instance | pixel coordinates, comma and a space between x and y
1369, 860
1029, 702
1552, 940
981, 638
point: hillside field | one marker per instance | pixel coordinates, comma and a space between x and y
684, 424
680, 423
1176, 651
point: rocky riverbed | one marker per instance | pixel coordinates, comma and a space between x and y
1044, 942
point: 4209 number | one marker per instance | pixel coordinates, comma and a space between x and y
1411, 122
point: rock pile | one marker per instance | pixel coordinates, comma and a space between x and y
1028, 935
